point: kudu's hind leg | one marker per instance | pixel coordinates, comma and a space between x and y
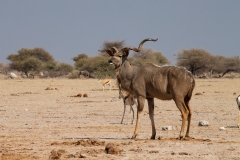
140, 107
151, 116
185, 112
189, 119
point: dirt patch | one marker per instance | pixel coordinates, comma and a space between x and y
12, 156
112, 148
56, 154
183, 153
137, 150
49, 88
85, 143
78, 95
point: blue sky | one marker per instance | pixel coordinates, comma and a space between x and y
66, 28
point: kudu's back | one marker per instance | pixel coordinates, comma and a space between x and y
164, 82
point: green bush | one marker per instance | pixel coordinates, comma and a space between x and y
97, 66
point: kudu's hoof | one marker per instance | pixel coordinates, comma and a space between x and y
180, 138
153, 137
134, 137
187, 136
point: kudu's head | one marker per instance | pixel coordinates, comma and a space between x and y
118, 57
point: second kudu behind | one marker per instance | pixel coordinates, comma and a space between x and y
150, 81
128, 99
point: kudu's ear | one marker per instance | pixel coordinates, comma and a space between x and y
112, 51
109, 52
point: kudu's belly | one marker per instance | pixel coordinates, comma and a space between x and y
159, 94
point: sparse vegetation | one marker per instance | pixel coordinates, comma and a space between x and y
200, 62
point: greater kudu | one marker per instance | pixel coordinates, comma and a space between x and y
150, 81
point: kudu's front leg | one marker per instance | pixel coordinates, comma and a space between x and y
123, 111
151, 116
131, 109
140, 107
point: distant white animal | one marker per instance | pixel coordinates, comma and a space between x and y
238, 103
12, 75
104, 82
41, 74
128, 99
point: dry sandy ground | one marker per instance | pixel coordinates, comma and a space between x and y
52, 124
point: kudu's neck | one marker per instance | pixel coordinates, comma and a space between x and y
125, 75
